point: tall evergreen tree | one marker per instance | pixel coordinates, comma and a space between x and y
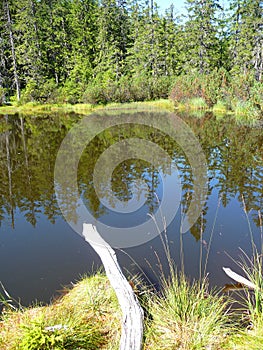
200, 36
8, 7
112, 40
27, 25
246, 45
83, 31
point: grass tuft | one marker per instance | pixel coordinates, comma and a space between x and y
187, 316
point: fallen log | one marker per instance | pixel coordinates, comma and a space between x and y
238, 278
132, 321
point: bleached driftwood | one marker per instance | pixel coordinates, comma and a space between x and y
240, 279
132, 323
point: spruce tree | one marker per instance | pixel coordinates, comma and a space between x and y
201, 42
246, 44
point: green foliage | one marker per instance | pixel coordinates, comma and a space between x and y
185, 88
117, 51
44, 91
86, 317
210, 87
246, 22
201, 42
36, 337
243, 94
186, 316
256, 95
127, 89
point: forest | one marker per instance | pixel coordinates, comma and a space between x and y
100, 51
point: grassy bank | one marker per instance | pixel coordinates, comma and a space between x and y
193, 106
184, 316
86, 317
82, 108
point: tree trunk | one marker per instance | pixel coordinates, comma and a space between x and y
11, 36
132, 323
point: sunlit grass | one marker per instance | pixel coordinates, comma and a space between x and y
187, 316
251, 338
87, 317
246, 111
220, 108
196, 103
84, 108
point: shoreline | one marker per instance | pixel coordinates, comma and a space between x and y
190, 107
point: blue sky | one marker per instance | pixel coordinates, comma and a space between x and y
164, 4
179, 4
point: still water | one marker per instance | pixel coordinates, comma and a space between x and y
40, 252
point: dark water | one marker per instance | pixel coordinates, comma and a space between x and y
39, 250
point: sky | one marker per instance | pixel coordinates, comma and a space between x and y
164, 4
179, 4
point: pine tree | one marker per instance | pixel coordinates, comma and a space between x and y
112, 41
55, 38
201, 43
9, 30
29, 54
83, 33
246, 45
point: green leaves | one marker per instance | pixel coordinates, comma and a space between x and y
91, 45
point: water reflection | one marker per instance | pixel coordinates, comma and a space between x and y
29, 146
234, 155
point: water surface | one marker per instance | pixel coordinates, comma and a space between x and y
39, 251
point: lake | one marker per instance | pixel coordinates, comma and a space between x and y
207, 172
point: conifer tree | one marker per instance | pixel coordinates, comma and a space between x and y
8, 12
246, 44
201, 43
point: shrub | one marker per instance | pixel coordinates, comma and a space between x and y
210, 87
256, 95
240, 86
160, 87
127, 89
214, 86
94, 94
42, 91
140, 88
186, 87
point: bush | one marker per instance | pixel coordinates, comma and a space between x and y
214, 86
210, 87
240, 86
140, 88
71, 93
42, 91
127, 89
256, 95
160, 87
186, 87
94, 94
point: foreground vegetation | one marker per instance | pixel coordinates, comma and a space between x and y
86, 317
183, 316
